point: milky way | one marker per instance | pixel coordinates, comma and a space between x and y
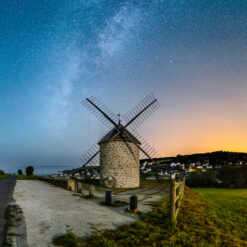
192, 55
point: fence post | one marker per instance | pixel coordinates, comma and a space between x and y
173, 198
108, 197
71, 184
79, 187
91, 191
133, 204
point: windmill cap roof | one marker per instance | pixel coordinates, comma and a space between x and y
126, 135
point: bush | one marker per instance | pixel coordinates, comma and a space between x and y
227, 176
202, 179
67, 240
233, 176
29, 170
26, 177
2, 172
20, 172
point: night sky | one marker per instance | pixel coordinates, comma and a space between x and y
192, 55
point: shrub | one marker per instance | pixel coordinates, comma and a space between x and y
202, 179
20, 172
29, 170
67, 240
227, 176
26, 177
2, 172
233, 176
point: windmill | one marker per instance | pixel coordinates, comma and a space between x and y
119, 149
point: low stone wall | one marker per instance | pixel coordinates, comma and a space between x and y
69, 184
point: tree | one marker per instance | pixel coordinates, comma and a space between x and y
202, 179
20, 172
2, 172
29, 170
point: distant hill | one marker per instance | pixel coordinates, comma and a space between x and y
214, 158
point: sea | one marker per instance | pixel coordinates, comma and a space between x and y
38, 170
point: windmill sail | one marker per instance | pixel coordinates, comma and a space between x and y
133, 119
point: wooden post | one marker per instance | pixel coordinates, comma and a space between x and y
133, 204
108, 197
71, 184
173, 198
79, 187
91, 191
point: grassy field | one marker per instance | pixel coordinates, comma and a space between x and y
229, 206
208, 217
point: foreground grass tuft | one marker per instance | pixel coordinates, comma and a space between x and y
68, 240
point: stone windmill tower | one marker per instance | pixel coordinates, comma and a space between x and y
119, 159
119, 149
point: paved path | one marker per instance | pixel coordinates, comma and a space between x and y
6, 190
45, 211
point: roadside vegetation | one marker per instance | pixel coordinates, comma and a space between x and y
29, 174
26, 177
3, 175
200, 223
20, 175
224, 177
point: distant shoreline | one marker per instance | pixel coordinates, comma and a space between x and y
38, 170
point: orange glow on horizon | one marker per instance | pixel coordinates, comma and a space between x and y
200, 132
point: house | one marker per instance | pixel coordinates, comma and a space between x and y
191, 170
217, 166
148, 170
192, 165
163, 175
207, 166
199, 167
172, 165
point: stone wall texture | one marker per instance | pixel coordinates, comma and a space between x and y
121, 162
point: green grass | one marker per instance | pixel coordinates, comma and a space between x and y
204, 220
4, 176
69, 240
230, 208
25, 177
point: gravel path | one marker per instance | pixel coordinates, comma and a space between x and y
6, 189
43, 211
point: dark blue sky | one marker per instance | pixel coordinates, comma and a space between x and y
191, 54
